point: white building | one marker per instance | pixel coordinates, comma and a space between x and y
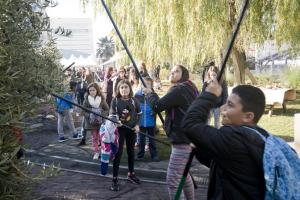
79, 46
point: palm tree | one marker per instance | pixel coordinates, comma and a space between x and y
106, 48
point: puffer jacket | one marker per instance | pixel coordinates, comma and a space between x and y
148, 115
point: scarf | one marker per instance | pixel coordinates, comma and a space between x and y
94, 101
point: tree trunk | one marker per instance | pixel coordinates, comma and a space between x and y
250, 75
239, 61
240, 68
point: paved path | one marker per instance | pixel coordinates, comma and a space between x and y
78, 186
41, 141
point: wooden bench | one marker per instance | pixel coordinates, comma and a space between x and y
278, 96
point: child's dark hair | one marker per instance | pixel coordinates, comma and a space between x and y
148, 78
124, 81
72, 86
96, 86
252, 100
185, 73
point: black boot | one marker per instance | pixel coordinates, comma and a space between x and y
82, 142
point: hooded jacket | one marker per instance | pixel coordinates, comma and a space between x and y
148, 115
175, 103
233, 154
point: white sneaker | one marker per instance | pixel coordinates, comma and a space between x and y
96, 156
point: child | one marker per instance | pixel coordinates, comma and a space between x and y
233, 153
213, 72
128, 110
175, 103
147, 123
63, 112
109, 142
95, 101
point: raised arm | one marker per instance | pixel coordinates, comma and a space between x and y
171, 99
208, 140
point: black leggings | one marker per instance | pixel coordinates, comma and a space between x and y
129, 136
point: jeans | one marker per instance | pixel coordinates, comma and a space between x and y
129, 136
96, 140
60, 122
142, 142
83, 130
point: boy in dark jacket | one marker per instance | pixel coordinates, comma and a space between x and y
233, 153
147, 123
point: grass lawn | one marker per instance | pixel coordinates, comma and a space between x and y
282, 124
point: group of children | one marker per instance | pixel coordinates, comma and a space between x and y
241, 156
133, 113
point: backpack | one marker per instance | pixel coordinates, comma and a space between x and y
109, 137
95, 120
281, 166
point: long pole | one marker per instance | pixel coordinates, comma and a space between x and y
129, 55
233, 37
223, 65
107, 118
127, 50
69, 66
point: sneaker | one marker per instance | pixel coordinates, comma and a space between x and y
115, 185
133, 179
76, 136
82, 142
62, 139
96, 156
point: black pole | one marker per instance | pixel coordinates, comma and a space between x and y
223, 65
68, 67
123, 41
233, 37
127, 50
132, 60
107, 118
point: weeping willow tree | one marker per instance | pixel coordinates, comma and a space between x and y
195, 31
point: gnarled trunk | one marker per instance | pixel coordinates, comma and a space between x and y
240, 67
239, 61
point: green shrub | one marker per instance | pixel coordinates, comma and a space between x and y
291, 77
12, 172
265, 79
230, 79
29, 70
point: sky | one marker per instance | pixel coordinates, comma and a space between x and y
74, 9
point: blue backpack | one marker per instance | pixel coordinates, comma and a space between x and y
281, 169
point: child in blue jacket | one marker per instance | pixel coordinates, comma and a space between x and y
147, 123
63, 110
